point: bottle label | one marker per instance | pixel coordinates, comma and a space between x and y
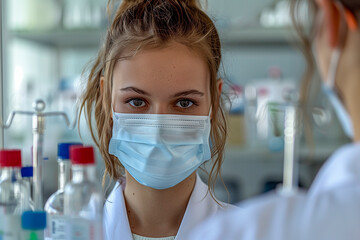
56, 228
81, 229
10, 227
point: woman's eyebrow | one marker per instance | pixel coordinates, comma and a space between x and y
134, 89
184, 93
189, 92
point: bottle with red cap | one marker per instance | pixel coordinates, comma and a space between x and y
83, 198
54, 206
14, 195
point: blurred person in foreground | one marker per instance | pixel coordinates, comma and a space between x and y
331, 207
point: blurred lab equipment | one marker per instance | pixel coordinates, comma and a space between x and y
235, 108
83, 198
39, 15
54, 206
67, 94
33, 225
292, 133
279, 15
265, 103
14, 195
38, 117
236, 99
28, 15
82, 14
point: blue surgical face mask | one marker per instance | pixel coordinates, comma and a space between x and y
160, 150
330, 92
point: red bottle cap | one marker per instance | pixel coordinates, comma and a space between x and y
82, 155
10, 158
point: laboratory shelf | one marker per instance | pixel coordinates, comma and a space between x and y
258, 36
93, 37
82, 38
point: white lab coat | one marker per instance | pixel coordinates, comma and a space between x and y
329, 211
200, 207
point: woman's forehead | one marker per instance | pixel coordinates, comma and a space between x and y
165, 68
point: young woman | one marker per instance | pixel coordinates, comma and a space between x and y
331, 209
156, 97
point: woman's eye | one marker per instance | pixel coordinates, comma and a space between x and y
137, 103
184, 103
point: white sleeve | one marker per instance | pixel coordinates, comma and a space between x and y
262, 218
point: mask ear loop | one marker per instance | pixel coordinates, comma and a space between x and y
334, 64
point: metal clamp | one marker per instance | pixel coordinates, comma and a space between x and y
38, 123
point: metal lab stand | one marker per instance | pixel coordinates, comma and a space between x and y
38, 127
292, 132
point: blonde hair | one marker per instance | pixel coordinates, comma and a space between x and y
144, 24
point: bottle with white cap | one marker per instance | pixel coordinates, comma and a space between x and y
14, 195
55, 204
83, 199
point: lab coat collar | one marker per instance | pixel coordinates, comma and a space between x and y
200, 206
116, 222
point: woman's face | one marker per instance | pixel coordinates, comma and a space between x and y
172, 80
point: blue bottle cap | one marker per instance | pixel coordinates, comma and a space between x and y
33, 220
64, 150
27, 172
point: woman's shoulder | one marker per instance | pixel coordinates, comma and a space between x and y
341, 169
351, 151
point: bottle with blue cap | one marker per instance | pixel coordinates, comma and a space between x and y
33, 225
55, 204
83, 200
14, 195
27, 173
